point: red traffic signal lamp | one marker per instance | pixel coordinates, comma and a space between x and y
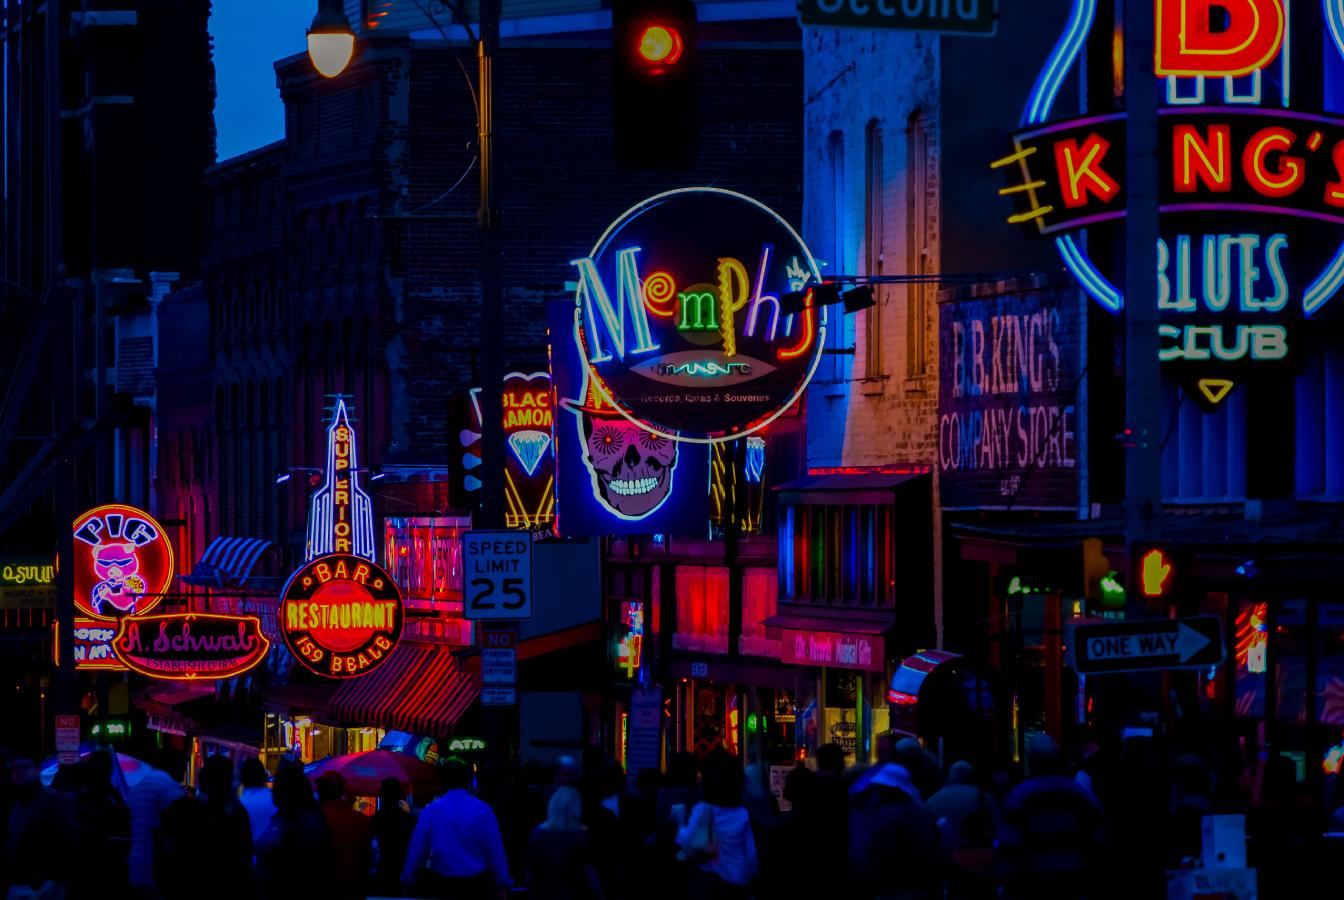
661, 46
653, 83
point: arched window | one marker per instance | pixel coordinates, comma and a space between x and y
918, 253
874, 237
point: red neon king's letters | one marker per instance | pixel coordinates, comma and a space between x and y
1187, 45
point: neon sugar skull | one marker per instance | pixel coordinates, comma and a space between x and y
127, 563
631, 467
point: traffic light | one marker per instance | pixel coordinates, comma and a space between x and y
653, 83
1155, 572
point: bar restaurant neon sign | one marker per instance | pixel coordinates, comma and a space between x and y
341, 615
1251, 192
678, 315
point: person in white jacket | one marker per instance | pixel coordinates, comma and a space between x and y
716, 838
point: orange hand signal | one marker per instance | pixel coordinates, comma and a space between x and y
1155, 572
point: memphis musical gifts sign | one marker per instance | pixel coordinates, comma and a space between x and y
341, 615
1251, 190
679, 321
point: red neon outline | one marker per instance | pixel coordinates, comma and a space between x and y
674, 51
1148, 571
1253, 162
1092, 153
808, 336
1183, 21
248, 666
1190, 155
1334, 190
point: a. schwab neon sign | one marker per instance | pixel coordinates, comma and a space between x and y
679, 318
1251, 192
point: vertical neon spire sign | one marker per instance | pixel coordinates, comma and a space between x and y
340, 514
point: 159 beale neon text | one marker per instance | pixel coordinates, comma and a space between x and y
1251, 190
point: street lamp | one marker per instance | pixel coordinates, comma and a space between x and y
331, 40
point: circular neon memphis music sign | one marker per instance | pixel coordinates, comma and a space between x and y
678, 316
123, 562
341, 615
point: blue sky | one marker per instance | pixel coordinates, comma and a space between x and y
250, 35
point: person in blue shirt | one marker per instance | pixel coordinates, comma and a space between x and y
456, 849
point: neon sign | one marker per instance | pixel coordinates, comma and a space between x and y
123, 562
529, 468
92, 645
1253, 638
678, 317
1251, 191
27, 571
186, 646
340, 518
341, 615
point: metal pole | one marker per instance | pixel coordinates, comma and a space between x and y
492, 288
1143, 394
501, 723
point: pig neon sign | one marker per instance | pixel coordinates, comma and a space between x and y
679, 319
123, 562
1251, 190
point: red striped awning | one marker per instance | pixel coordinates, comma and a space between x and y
421, 688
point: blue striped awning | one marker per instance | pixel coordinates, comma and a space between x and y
230, 559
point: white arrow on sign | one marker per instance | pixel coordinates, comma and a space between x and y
1185, 643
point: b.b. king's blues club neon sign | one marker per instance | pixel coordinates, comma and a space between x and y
1251, 192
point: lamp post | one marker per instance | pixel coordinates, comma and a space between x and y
331, 40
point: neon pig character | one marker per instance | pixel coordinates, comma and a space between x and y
631, 468
121, 587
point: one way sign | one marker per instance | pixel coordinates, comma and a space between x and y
1146, 645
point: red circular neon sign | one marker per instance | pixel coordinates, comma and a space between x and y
123, 562
341, 615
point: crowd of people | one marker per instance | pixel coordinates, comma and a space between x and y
905, 827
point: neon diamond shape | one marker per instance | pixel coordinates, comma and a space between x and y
529, 447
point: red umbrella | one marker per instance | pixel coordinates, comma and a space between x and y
364, 772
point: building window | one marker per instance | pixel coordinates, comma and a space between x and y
1203, 454
837, 554
917, 250
873, 243
702, 609
760, 597
1320, 424
835, 158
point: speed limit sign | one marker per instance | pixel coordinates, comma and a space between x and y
497, 575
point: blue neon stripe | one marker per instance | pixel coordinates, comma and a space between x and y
1066, 51
1088, 276
1325, 287
1334, 18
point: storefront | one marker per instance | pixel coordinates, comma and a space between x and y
854, 582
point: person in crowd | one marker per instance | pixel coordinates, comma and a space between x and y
567, 772
832, 812
717, 837
41, 837
894, 844
215, 819
922, 766
294, 856
392, 828
676, 798
601, 791
256, 796
350, 835
1284, 835
1191, 801
795, 837
971, 813
560, 862
105, 827
159, 788
456, 849
1053, 830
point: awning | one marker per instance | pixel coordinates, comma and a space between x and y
421, 688
876, 484
228, 560
298, 699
